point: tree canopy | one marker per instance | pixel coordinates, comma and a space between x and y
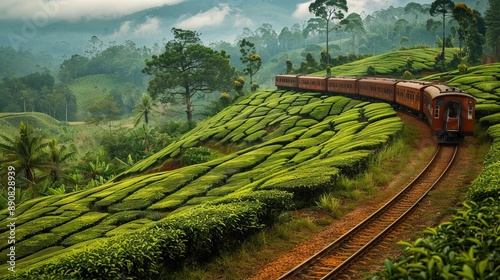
329, 10
442, 7
186, 68
492, 21
250, 59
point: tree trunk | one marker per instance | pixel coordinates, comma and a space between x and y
444, 38
327, 53
189, 106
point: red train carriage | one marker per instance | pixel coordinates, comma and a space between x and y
383, 89
410, 95
287, 81
450, 113
342, 85
313, 83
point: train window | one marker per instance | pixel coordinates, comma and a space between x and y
452, 112
471, 112
436, 112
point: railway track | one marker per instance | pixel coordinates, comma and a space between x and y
332, 261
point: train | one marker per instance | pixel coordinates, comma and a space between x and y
449, 111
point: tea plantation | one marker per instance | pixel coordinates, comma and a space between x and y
467, 247
286, 148
9, 122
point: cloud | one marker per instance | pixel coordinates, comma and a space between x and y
302, 11
212, 17
215, 17
75, 9
354, 6
151, 25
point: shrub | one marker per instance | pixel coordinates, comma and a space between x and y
209, 227
487, 184
137, 255
465, 248
371, 71
196, 155
490, 120
462, 68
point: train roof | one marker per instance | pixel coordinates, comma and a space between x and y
413, 84
436, 91
312, 77
378, 80
335, 78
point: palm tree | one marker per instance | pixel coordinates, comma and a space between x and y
57, 156
25, 152
144, 109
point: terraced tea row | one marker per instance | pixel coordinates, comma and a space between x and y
290, 143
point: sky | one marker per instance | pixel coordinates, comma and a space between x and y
357, 6
220, 22
74, 9
71, 10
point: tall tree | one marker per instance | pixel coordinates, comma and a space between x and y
250, 58
442, 7
353, 23
475, 39
492, 21
400, 27
329, 10
187, 68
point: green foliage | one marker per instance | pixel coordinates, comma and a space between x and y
282, 159
196, 68
465, 248
133, 255
329, 203
209, 227
196, 155
490, 120
79, 223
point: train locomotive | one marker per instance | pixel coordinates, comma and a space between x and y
450, 112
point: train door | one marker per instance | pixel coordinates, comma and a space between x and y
452, 116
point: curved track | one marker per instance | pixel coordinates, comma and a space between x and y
333, 259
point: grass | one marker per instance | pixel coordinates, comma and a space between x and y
330, 204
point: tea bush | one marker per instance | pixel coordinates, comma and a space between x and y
465, 248
196, 155
136, 255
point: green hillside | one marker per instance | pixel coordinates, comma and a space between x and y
292, 146
91, 88
384, 64
9, 122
